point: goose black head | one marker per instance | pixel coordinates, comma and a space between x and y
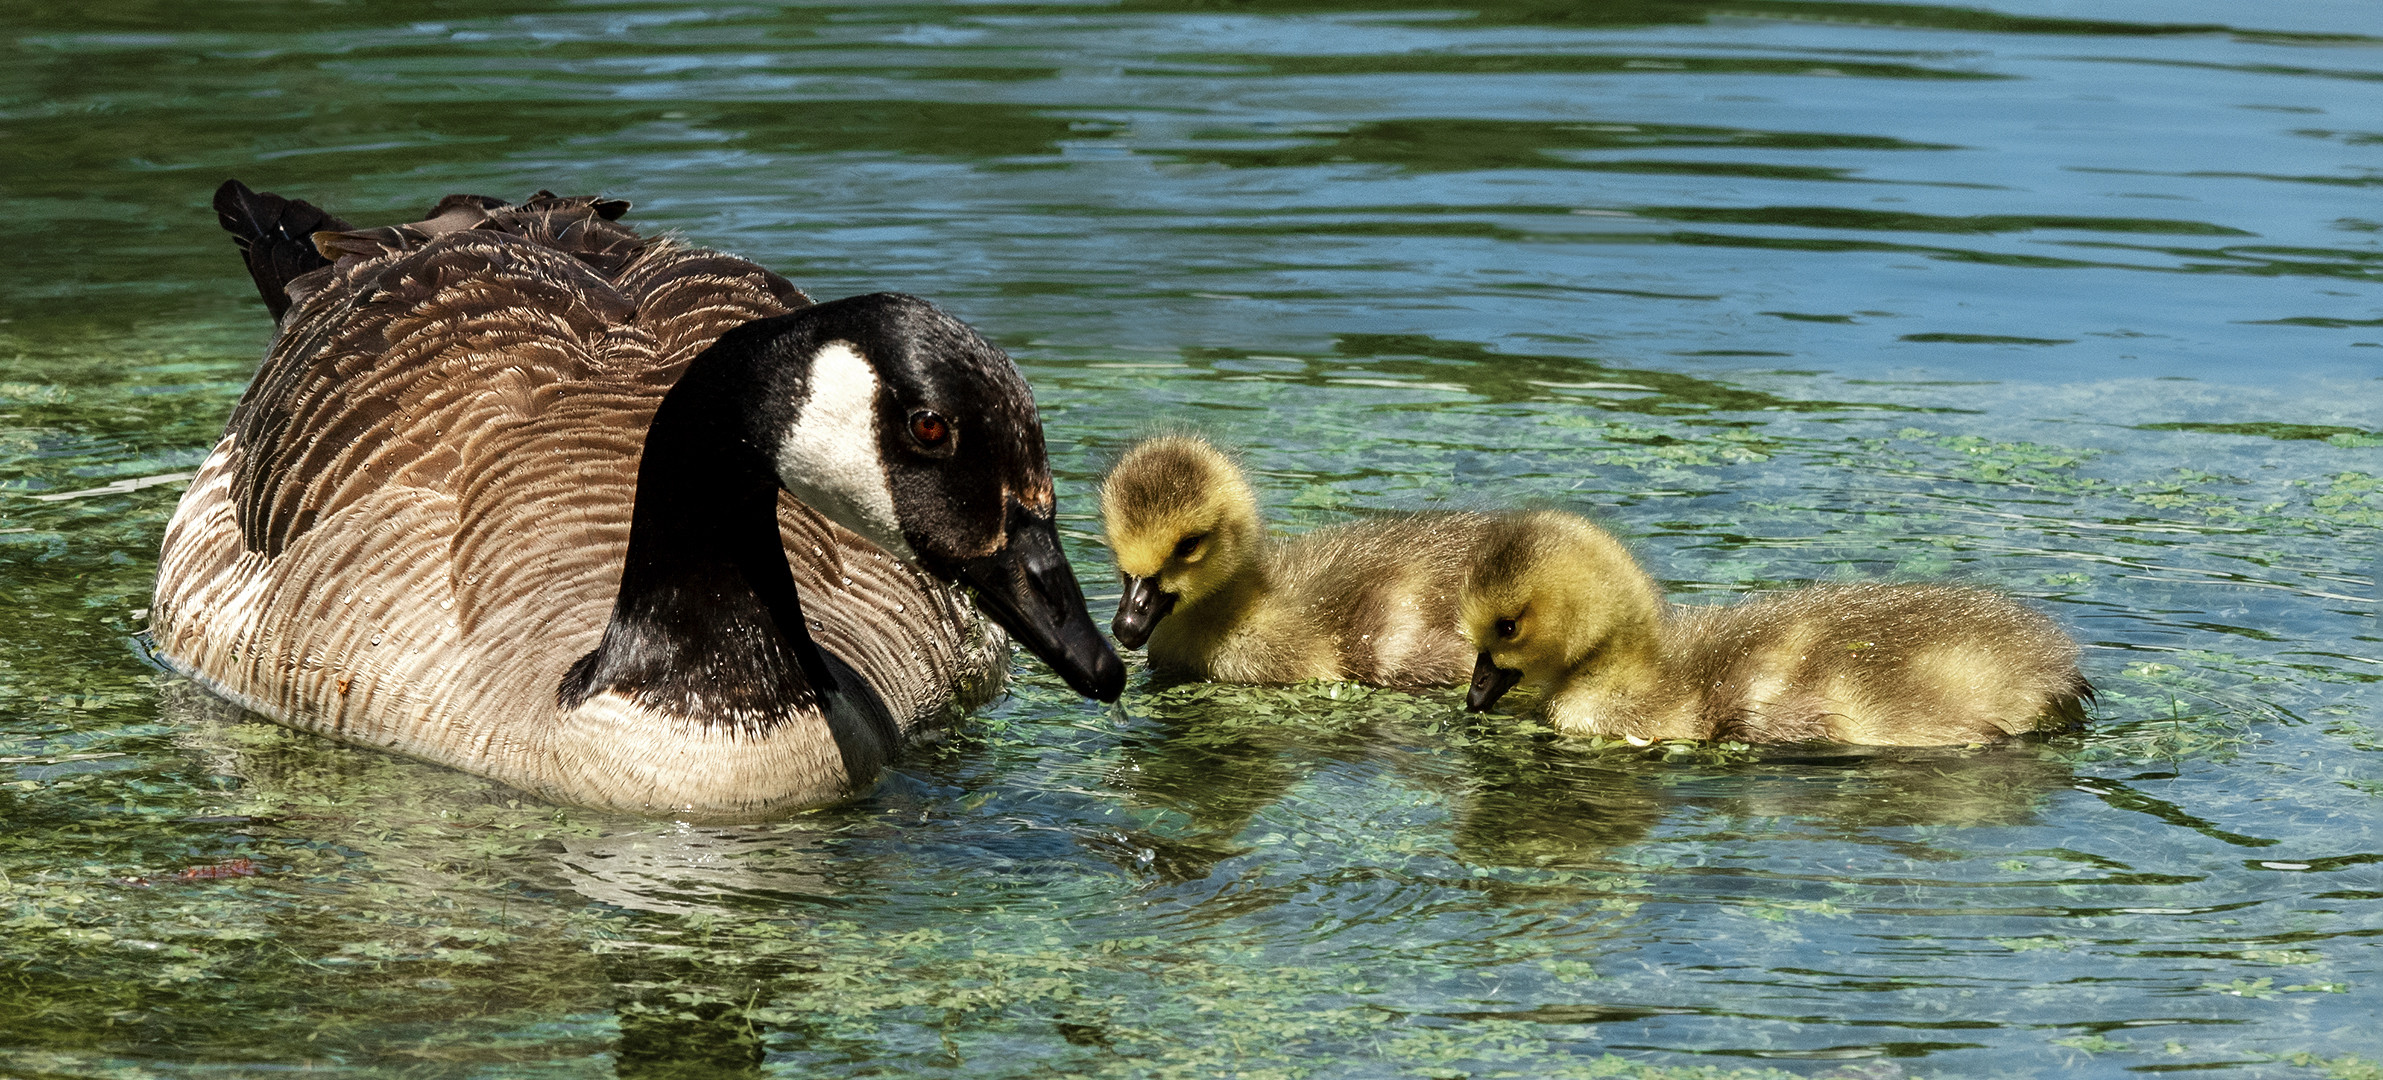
904, 425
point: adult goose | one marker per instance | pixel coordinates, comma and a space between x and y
505, 495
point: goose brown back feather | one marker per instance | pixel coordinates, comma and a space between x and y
415, 521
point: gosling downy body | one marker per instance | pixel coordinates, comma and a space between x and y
1557, 603
516, 491
1214, 597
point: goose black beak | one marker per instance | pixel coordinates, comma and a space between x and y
1139, 610
1029, 589
1490, 682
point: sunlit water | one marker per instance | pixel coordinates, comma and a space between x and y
2076, 300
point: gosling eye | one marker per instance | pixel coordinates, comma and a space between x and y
1505, 629
1189, 544
930, 429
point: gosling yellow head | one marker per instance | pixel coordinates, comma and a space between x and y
1548, 594
1182, 520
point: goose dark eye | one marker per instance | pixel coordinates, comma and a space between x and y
1505, 628
930, 429
1189, 544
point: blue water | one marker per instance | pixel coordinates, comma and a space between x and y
2080, 301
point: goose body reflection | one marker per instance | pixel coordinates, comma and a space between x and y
1558, 603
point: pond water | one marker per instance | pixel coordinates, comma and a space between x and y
2081, 301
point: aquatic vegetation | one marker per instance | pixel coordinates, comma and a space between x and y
1779, 292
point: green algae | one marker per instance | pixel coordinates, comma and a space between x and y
2264, 429
1389, 252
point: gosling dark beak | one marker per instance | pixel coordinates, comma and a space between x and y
1139, 611
1490, 682
1029, 589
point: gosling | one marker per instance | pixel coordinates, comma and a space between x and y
1557, 603
1215, 598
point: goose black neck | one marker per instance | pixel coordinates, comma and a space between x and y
707, 624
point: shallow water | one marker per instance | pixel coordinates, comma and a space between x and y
2080, 301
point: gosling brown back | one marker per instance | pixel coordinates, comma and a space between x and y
1556, 602
1877, 664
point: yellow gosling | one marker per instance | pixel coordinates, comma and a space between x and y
1556, 603
1214, 597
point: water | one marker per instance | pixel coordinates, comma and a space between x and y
2080, 301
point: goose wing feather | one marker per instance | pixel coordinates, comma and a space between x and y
416, 519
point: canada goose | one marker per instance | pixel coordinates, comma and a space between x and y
505, 495
1556, 602
1372, 601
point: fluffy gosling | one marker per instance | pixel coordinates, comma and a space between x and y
1215, 598
1555, 602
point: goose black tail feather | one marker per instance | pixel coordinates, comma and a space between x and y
276, 237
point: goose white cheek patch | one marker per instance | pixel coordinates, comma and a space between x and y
830, 459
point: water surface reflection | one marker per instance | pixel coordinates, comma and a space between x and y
2081, 305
